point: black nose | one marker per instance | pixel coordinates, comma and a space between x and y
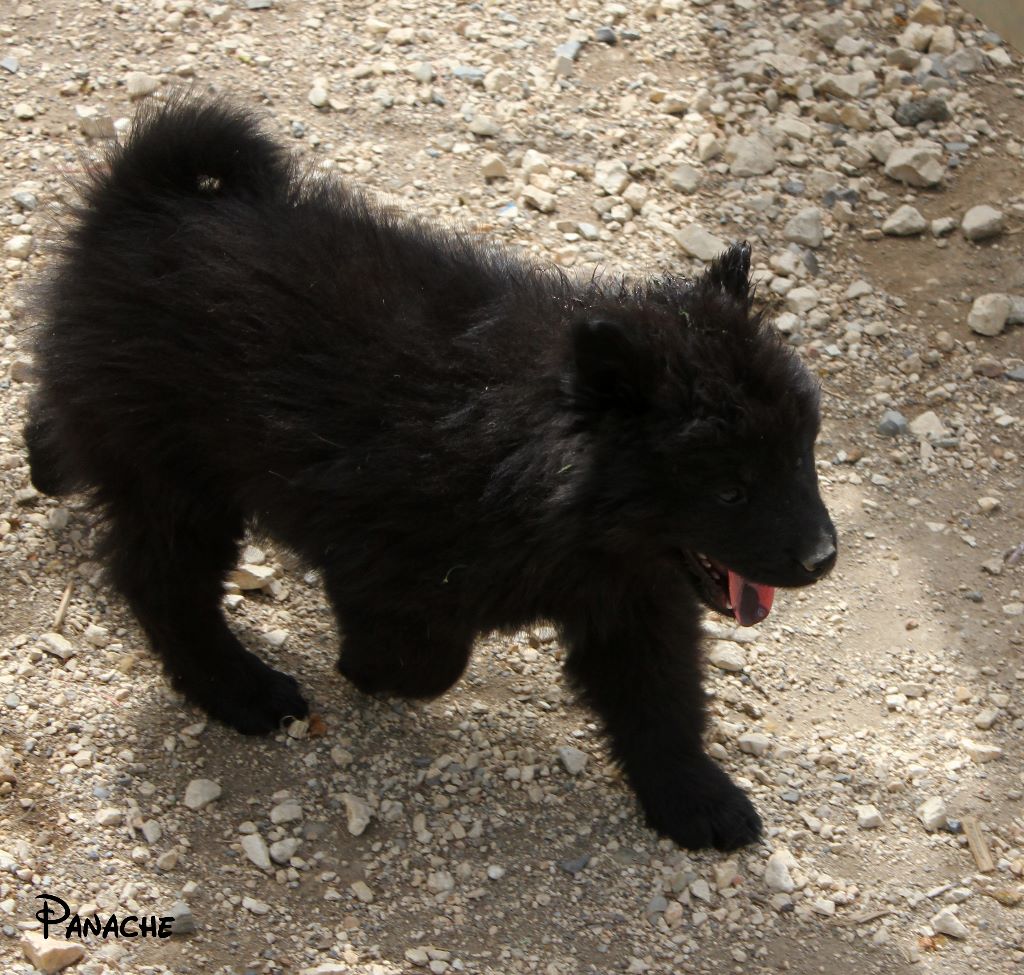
818, 560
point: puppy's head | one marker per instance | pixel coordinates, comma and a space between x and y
699, 425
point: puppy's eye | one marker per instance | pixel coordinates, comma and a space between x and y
732, 495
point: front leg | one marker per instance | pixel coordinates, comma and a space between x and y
634, 654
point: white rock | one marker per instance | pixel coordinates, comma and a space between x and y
109, 816
534, 162
946, 922
982, 222
906, 221
288, 811
538, 199
254, 847
139, 84
695, 241
611, 176
24, 111
988, 504
727, 656
493, 167
777, 875
801, 300
708, 147
928, 425
96, 636
248, 577
701, 890
357, 814
57, 645
868, 817
201, 792
805, 228
20, 246
943, 41
916, 37
750, 155
754, 743
981, 752
94, 123
255, 906
50, 955
362, 891
283, 850
484, 126
928, 12
932, 813
989, 314
916, 166
317, 96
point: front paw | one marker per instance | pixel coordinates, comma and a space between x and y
696, 805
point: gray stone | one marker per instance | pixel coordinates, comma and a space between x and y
754, 743
484, 126
989, 314
684, 178
606, 35
750, 155
982, 222
1016, 316
943, 226
947, 923
357, 814
573, 760
806, 228
929, 109
570, 50
893, 424
695, 241
906, 221
255, 848
183, 921
201, 792
473, 76
727, 656
868, 817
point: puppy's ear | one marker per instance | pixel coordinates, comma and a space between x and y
731, 271
610, 366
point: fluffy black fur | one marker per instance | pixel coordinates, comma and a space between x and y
460, 442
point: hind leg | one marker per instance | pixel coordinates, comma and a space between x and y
50, 474
169, 561
406, 657
399, 651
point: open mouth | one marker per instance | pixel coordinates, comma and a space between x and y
728, 592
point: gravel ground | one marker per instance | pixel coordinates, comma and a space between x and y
875, 719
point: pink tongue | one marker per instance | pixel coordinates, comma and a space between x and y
751, 603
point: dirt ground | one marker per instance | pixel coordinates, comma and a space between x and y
897, 680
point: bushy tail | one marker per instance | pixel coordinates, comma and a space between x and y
194, 147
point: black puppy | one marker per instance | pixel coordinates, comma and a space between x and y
458, 440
